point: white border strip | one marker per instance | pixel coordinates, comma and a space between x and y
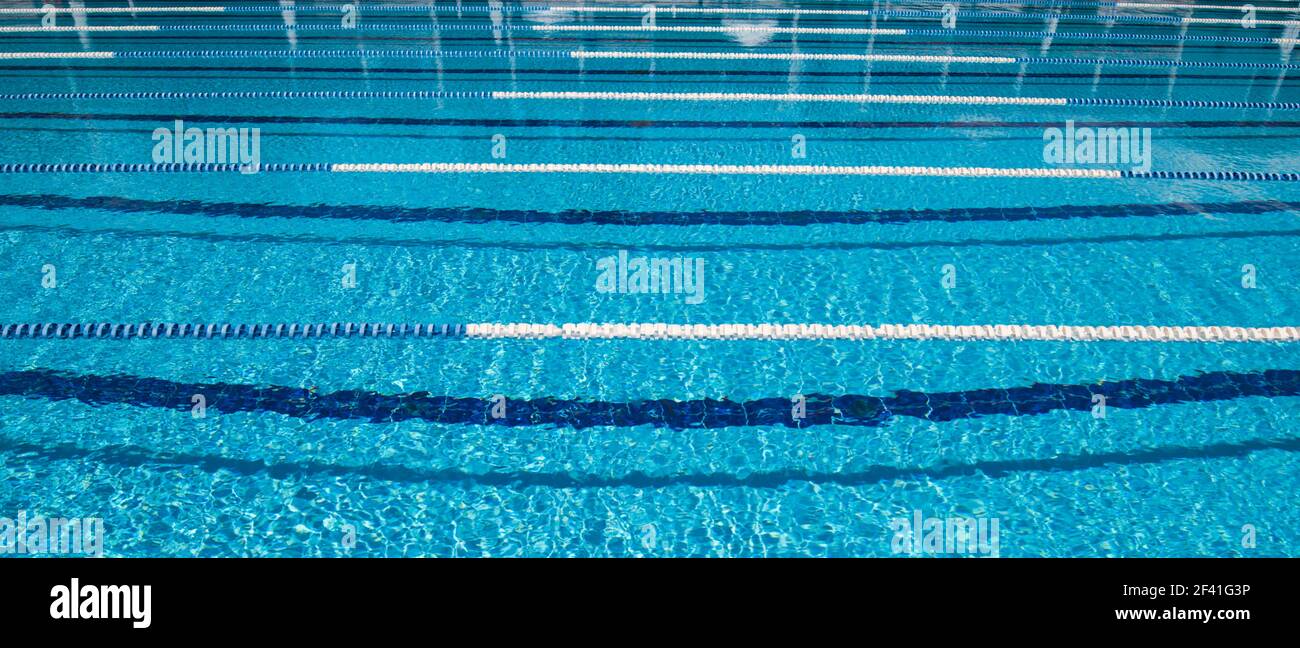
724, 169
992, 332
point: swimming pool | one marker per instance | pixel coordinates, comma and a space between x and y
801, 165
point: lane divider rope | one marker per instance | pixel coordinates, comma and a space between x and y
724, 169
1147, 6
914, 58
85, 28
57, 55
974, 100
651, 331
910, 31
684, 169
122, 10
646, 55
1087, 4
923, 13
887, 99
843, 31
1103, 4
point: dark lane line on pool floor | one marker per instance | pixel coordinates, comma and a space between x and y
480, 215
820, 409
133, 457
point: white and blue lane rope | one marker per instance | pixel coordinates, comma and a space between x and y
144, 9
641, 55
915, 58
737, 29
738, 97
456, 168
648, 331
23, 29
1147, 6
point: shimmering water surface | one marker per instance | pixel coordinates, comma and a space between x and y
650, 447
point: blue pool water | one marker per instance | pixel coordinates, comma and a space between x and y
650, 447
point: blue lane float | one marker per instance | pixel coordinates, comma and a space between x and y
165, 330
404, 214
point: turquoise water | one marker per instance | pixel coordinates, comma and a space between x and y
1177, 467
